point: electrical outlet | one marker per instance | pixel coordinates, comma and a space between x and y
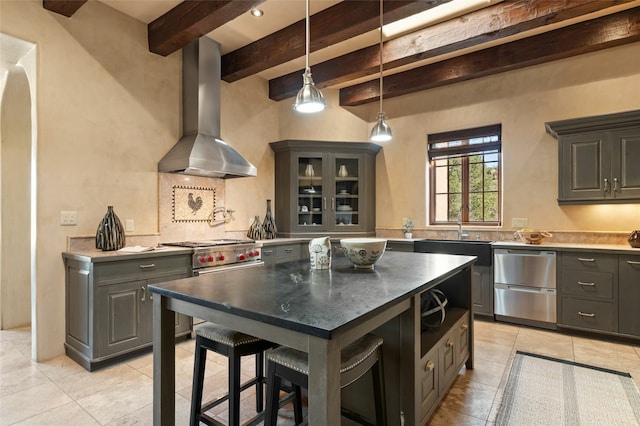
128, 225
68, 218
519, 222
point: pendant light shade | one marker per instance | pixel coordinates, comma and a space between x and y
309, 99
381, 132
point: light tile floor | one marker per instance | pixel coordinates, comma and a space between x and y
60, 392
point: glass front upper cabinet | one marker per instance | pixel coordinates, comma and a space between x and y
347, 175
311, 199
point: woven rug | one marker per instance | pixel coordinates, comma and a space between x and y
548, 391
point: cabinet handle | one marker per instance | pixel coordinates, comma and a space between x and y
616, 185
464, 326
586, 259
449, 343
267, 252
586, 284
143, 290
429, 366
149, 266
633, 262
333, 204
288, 250
586, 314
606, 185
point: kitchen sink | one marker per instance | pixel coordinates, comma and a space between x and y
479, 248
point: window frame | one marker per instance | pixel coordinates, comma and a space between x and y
464, 151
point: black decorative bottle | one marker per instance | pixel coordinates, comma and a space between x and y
634, 239
110, 233
269, 224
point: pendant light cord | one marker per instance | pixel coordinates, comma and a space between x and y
381, 11
307, 38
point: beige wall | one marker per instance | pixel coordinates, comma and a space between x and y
109, 110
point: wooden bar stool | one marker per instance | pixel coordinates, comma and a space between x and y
233, 345
356, 359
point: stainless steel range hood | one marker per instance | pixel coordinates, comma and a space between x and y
201, 151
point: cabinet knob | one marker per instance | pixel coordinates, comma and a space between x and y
429, 366
464, 326
449, 343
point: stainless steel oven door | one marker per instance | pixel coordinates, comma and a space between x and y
206, 271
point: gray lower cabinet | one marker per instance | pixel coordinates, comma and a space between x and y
588, 291
400, 245
273, 253
598, 158
109, 312
600, 292
447, 351
482, 282
629, 288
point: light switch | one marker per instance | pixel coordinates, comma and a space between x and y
519, 222
68, 218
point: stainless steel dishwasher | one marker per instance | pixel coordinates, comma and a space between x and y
525, 286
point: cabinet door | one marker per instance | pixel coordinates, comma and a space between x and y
428, 383
346, 202
629, 295
311, 192
482, 282
183, 323
625, 155
447, 365
121, 318
585, 167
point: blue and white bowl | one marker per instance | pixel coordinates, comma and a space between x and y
363, 252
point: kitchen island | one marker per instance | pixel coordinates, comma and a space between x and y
319, 312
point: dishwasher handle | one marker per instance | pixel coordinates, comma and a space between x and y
523, 289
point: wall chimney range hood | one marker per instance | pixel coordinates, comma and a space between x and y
201, 151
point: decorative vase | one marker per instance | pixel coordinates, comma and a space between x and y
634, 239
269, 224
255, 231
408, 235
342, 172
309, 171
110, 233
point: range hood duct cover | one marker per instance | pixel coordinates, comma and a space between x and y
201, 151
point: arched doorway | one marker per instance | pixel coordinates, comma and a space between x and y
17, 63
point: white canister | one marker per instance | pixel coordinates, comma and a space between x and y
320, 253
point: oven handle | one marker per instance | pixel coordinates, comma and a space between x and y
207, 271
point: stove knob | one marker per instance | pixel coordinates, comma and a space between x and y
210, 258
202, 260
221, 257
257, 252
241, 257
251, 253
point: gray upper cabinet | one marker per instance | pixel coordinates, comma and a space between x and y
599, 158
325, 188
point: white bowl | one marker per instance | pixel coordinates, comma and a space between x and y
363, 252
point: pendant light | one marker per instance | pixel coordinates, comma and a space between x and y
309, 99
381, 132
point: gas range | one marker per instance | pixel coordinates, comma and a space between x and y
217, 255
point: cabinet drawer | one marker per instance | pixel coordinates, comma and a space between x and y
586, 261
587, 314
428, 382
587, 283
153, 267
288, 252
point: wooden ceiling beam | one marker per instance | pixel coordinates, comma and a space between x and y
485, 25
192, 19
345, 20
589, 36
63, 7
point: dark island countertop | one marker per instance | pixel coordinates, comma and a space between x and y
316, 302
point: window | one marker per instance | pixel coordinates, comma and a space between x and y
465, 176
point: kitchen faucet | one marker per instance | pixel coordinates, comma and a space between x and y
461, 236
